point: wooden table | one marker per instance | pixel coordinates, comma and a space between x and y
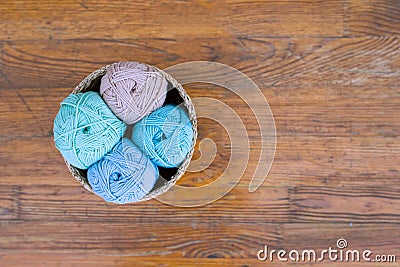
330, 71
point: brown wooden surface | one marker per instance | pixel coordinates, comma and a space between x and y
329, 69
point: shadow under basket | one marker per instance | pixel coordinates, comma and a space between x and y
175, 95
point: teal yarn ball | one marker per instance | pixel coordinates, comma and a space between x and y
165, 135
85, 129
124, 175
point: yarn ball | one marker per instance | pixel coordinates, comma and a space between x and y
85, 129
124, 175
133, 90
165, 135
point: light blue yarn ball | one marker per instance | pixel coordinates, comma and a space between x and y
85, 129
165, 135
124, 175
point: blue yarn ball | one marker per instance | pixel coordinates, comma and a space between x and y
85, 129
124, 175
165, 135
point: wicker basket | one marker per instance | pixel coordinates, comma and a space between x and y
164, 182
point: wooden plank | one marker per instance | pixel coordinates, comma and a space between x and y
65, 203
310, 160
320, 236
362, 204
220, 244
345, 204
338, 137
334, 162
16, 259
372, 18
173, 239
50, 259
327, 111
271, 62
32, 20
318, 111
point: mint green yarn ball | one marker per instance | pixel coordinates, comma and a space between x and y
85, 129
165, 136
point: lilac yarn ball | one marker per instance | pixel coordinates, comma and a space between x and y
133, 90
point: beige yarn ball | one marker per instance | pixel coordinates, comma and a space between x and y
133, 90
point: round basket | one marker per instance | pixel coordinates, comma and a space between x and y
176, 94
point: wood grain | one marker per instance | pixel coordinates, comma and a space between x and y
9, 202
287, 62
203, 244
329, 111
142, 239
66, 203
330, 71
325, 136
376, 17
269, 204
117, 260
314, 204
311, 161
33, 20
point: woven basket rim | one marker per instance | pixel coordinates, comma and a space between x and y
187, 102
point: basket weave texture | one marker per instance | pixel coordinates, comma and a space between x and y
162, 185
